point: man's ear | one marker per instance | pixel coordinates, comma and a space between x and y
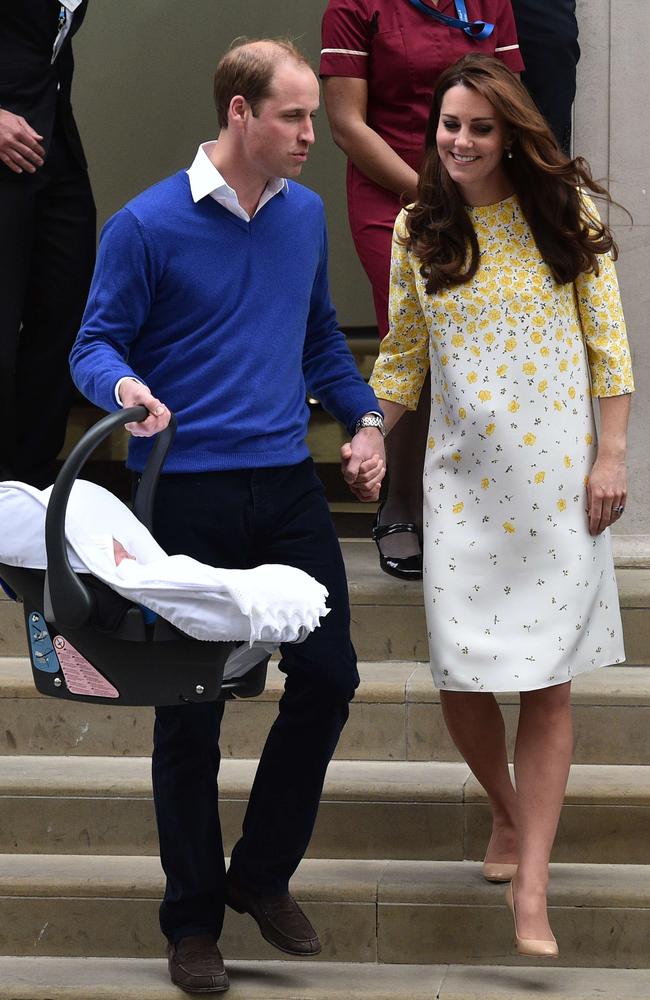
239, 109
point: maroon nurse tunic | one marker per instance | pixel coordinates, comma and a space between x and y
401, 52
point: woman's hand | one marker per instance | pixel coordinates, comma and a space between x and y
606, 493
607, 483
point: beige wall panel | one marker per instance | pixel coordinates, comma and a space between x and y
633, 269
591, 112
143, 101
630, 88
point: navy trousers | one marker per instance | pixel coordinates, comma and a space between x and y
242, 519
548, 38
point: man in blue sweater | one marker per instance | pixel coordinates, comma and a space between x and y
210, 299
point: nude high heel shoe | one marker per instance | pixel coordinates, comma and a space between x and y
530, 946
498, 871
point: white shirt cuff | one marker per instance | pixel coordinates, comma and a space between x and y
125, 378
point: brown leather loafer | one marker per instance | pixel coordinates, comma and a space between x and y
196, 965
279, 918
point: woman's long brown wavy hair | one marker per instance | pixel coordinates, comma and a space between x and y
547, 184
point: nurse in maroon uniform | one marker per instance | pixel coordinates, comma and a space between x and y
380, 61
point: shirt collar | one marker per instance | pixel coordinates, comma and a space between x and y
206, 180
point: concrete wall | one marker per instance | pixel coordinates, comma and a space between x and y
142, 96
611, 131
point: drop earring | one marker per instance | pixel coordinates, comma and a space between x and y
509, 153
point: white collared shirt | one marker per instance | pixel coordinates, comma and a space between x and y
205, 180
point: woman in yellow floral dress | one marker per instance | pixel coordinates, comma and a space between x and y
503, 285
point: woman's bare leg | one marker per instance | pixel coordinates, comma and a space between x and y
405, 447
542, 761
476, 726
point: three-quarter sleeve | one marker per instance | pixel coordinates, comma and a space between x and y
603, 326
506, 42
345, 35
403, 362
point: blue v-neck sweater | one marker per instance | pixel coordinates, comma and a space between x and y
228, 322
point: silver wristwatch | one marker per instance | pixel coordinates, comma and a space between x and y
371, 420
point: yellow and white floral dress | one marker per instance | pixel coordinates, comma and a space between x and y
518, 594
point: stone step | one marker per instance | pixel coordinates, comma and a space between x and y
417, 810
395, 715
365, 911
388, 614
146, 979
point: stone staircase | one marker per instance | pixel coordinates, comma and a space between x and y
392, 879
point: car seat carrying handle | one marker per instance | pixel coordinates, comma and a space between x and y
66, 599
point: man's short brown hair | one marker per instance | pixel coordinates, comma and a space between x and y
247, 69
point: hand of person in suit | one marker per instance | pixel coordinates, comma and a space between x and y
20, 145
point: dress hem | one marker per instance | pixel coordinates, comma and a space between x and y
608, 662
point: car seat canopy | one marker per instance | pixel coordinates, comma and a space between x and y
269, 603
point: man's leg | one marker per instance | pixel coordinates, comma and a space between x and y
61, 266
207, 517
185, 766
297, 530
240, 520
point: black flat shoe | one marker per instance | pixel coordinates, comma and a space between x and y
403, 567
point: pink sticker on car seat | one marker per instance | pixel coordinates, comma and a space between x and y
80, 675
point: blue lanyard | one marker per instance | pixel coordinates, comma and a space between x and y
475, 29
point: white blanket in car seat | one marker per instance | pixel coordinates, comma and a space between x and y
268, 604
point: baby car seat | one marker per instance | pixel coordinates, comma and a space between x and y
87, 642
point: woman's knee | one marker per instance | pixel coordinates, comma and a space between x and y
468, 703
557, 697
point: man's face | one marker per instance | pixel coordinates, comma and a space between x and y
278, 137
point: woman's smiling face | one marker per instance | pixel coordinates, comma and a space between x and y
472, 139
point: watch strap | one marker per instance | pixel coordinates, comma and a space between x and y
371, 420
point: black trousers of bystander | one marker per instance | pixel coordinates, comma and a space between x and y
47, 254
548, 37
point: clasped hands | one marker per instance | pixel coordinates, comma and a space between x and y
363, 463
